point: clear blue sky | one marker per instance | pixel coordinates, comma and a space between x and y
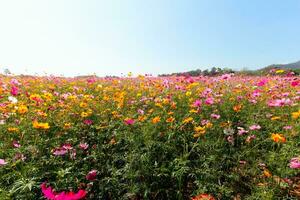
74, 37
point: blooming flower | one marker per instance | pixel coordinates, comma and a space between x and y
91, 175
203, 197
51, 195
295, 163
278, 138
60, 151
2, 162
129, 121
254, 127
215, 116
83, 146
156, 120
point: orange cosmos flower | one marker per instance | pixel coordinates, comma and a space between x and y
278, 138
156, 120
22, 109
203, 197
237, 108
170, 119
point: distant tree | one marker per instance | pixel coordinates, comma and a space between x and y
6, 71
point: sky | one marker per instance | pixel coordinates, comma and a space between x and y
111, 37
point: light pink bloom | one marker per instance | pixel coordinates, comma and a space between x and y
215, 116
295, 163
60, 152
287, 127
83, 146
16, 144
2, 162
67, 146
255, 127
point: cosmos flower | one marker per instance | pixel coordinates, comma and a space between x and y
295, 163
91, 175
278, 138
203, 197
254, 127
51, 195
2, 162
129, 121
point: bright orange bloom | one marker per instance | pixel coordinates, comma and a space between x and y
156, 120
22, 109
237, 108
170, 119
39, 125
278, 138
203, 197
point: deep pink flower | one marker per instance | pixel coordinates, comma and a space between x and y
16, 144
262, 82
129, 121
51, 195
209, 101
91, 175
295, 163
197, 103
14, 91
295, 83
88, 122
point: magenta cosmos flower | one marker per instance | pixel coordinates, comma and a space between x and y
91, 175
129, 121
50, 194
295, 163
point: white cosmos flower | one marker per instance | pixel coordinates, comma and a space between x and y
13, 99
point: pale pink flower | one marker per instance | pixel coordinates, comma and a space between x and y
295, 163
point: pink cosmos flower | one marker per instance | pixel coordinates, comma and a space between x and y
255, 127
51, 195
295, 163
241, 131
59, 151
250, 138
262, 82
197, 103
215, 116
91, 175
226, 76
14, 82
209, 101
2, 162
287, 127
16, 144
140, 111
83, 146
88, 122
295, 83
14, 91
129, 121
67, 146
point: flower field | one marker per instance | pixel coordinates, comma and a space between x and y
225, 137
